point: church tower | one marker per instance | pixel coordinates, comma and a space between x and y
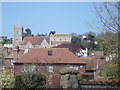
18, 35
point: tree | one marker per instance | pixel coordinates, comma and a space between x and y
75, 40
52, 32
29, 80
6, 79
7, 41
107, 14
73, 34
88, 42
72, 47
28, 33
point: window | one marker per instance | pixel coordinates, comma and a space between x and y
71, 66
29, 68
81, 66
50, 68
50, 53
12, 62
74, 67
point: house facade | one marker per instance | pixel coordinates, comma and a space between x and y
58, 39
47, 61
93, 66
34, 42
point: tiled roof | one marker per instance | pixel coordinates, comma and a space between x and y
94, 64
40, 55
37, 40
72, 47
60, 34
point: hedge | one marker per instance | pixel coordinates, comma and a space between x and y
29, 80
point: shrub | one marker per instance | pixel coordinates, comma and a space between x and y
29, 80
6, 79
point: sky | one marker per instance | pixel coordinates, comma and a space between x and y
43, 17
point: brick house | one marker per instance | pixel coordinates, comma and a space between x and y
8, 62
48, 61
93, 66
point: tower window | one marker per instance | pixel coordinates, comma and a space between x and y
49, 53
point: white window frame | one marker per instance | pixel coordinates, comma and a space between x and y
50, 68
30, 68
12, 62
81, 66
74, 67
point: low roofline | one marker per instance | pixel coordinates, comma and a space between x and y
49, 63
60, 35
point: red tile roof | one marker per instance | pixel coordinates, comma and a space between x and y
94, 64
40, 55
72, 47
37, 40
60, 35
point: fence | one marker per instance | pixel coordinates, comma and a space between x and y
99, 85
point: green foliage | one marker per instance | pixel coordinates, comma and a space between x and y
6, 79
76, 40
113, 69
6, 41
110, 27
109, 42
88, 42
19, 82
30, 80
28, 33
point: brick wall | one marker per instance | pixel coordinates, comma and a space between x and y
44, 68
52, 78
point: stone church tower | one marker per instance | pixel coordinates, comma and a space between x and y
18, 35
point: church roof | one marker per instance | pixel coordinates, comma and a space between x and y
60, 35
35, 40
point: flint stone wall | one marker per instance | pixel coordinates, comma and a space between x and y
69, 78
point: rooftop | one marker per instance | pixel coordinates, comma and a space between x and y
59, 55
60, 34
35, 40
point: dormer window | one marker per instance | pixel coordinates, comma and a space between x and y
49, 53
